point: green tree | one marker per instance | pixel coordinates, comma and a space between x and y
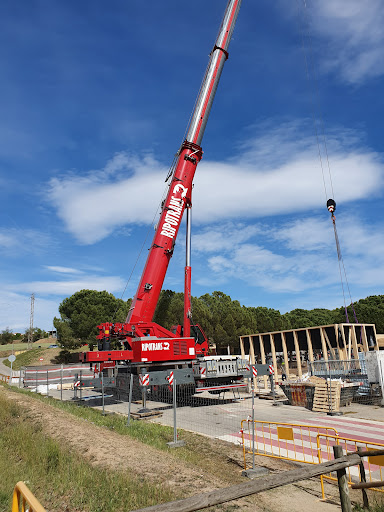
6, 336
83, 311
38, 334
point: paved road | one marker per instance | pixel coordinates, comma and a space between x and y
5, 370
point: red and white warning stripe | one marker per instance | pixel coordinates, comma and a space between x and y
254, 371
203, 371
76, 384
170, 378
271, 370
144, 379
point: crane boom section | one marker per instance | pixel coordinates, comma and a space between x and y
179, 193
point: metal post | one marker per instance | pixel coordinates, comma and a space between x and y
102, 390
75, 387
36, 381
81, 391
174, 412
253, 425
130, 399
330, 389
20, 378
176, 443
343, 482
47, 385
61, 383
144, 397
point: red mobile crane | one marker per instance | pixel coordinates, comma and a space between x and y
145, 342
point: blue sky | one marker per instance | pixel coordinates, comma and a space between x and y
95, 98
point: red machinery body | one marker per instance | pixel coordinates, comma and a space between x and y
142, 339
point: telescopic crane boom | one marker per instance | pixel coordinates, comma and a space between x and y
143, 340
179, 194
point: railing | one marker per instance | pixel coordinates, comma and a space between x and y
216, 497
23, 500
370, 471
4, 378
289, 441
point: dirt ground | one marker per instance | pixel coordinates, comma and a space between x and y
121, 453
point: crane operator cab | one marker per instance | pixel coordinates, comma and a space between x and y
201, 341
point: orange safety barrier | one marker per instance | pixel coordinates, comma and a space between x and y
289, 441
24, 500
373, 466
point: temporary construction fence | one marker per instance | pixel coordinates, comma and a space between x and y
34, 376
371, 470
24, 500
311, 444
290, 441
4, 378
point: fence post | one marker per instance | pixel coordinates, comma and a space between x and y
61, 383
75, 386
174, 412
363, 479
20, 377
176, 443
36, 380
343, 482
102, 391
130, 399
47, 385
253, 425
81, 391
330, 390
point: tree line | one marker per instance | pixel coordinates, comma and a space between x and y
7, 336
222, 318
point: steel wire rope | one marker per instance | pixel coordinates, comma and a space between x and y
318, 118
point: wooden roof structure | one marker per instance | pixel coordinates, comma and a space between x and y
335, 341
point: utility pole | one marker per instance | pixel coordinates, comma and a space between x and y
30, 333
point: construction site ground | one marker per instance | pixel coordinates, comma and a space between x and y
121, 452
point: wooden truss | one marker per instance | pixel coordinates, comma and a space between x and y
336, 341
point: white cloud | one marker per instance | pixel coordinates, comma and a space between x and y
63, 270
94, 205
355, 38
310, 234
303, 257
17, 240
275, 173
222, 237
65, 288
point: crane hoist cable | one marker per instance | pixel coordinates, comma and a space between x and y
317, 119
331, 206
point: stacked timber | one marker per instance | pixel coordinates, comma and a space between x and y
327, 395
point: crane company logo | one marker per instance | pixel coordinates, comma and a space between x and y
174, 212
161, 345
178, 187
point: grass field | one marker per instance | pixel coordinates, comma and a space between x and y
27, 358
6, 350
32, 357
61, 479
198, 450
